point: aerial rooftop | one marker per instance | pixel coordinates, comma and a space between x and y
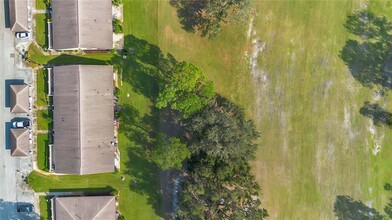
83, 119
84, 24
85, 208
18, 15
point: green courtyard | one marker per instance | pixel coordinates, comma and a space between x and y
314, 146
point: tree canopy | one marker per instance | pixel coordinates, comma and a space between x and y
185, 89
220, 190
207, 16
169, 152
221, 130
219, 184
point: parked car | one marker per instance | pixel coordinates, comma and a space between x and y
21, 124
22, 35
25, 208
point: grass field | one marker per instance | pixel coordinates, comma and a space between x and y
44, 118
41, 29
42, 88
43, 152
315, 144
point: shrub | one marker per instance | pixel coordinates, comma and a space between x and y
117, 26
117, 2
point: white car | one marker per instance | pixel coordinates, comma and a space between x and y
21, 124
22, 35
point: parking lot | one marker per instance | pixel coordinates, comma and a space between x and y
13, 170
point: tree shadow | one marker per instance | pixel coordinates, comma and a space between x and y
142, 131
377, 114
388, 207
144, 174
190, 13
143, 66
369, 56
347, 208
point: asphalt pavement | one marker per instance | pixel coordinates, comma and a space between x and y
13, 189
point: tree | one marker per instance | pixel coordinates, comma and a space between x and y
220, 130
169, 152
208, 16
220, 190
186, 89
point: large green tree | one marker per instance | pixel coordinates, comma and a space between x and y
220, 130
185, 89
208, 16
217, 189
169, 152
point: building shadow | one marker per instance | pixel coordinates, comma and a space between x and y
7, 142
379, 116
65, 59
346, 208
108, 190
8, 83
7, 23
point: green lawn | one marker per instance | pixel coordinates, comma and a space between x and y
45, 209
40, 4
44, 118
314, 145
41, 30
42, 88
43, 152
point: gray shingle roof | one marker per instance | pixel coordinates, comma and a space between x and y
85, 208
85, 24
83, 119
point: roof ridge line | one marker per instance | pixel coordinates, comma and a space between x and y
69, 214
103, 207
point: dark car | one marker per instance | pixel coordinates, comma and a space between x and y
25, 208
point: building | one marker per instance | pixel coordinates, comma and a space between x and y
83, 119
84, 208
82, 24
19, 99
18, 15
19, 142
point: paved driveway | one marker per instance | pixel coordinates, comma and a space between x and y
13, 189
